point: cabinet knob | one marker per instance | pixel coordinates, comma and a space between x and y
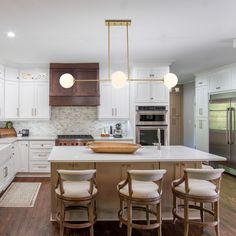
218, 87
151, 98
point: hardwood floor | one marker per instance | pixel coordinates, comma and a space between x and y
35, 221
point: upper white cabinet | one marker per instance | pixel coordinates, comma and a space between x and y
1, 98
1, 72
150, 73
34, 100
114, 102
11, 74
148, 92
202, 81
11, 99
202, 101
221, 81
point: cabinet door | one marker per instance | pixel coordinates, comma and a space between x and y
1, 72
42, 108
221, 81
23, 157
11, 74
202, 134
11, 100
142, 92
1, 99
105, 108
27, 100
202, 101
120, 102
159, 92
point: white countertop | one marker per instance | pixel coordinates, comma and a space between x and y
146, 154
2, 146
30, 138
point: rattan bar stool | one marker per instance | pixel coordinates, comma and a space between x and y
141, 191
198, 186
76, 189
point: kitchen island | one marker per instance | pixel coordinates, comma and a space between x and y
112, 168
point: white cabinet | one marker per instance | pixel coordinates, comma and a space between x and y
23, 157
11, 74
202, 101
42, 108
39, 153
221, 81
147, 92
27, 100
114, 102
34, 100
1, 72
201, 81
150, 73
11, 99
7, 172
1, 98
202, 134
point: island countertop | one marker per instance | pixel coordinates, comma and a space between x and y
145, 154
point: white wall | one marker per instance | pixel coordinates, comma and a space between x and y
188, 109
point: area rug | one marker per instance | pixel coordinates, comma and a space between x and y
20, 195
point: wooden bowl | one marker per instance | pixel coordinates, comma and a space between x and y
113, 147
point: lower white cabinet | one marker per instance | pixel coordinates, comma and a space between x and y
1, 98
202, 134
7, 170
23, 156
39, 153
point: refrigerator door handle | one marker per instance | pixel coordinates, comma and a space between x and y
232, 130
227, 127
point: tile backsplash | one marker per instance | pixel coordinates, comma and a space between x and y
68, 120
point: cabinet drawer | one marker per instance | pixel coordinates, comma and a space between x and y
39, 166
39, 154
42, 144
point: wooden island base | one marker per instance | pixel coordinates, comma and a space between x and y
110, 174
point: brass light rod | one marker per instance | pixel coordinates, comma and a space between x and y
117, 22
131, 80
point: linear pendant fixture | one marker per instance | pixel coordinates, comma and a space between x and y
119, 78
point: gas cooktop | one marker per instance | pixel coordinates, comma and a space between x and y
76, 136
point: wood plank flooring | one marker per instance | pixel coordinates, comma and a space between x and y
35, 221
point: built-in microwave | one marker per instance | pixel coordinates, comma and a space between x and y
147, 135
151, 115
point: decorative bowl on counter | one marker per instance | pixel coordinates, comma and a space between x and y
113, 147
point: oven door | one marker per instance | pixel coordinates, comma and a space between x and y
147, 135
151, 118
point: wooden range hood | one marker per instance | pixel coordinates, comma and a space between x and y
81, 93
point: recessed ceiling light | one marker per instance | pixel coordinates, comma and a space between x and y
11, 34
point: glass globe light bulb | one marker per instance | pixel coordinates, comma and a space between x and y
170, 80
67, 80
118, 79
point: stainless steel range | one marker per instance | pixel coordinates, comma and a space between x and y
73, 140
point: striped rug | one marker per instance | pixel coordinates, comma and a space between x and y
20, 195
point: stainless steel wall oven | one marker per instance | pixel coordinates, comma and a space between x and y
148, 120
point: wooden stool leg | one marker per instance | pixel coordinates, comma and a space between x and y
216, 217
147, 214
186, 223
62, 217
174, 208
122, 211
159, 219
201, 212
91, 217
129, 227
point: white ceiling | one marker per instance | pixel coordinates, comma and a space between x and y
194, 35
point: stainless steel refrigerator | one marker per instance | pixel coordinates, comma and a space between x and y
222, 129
